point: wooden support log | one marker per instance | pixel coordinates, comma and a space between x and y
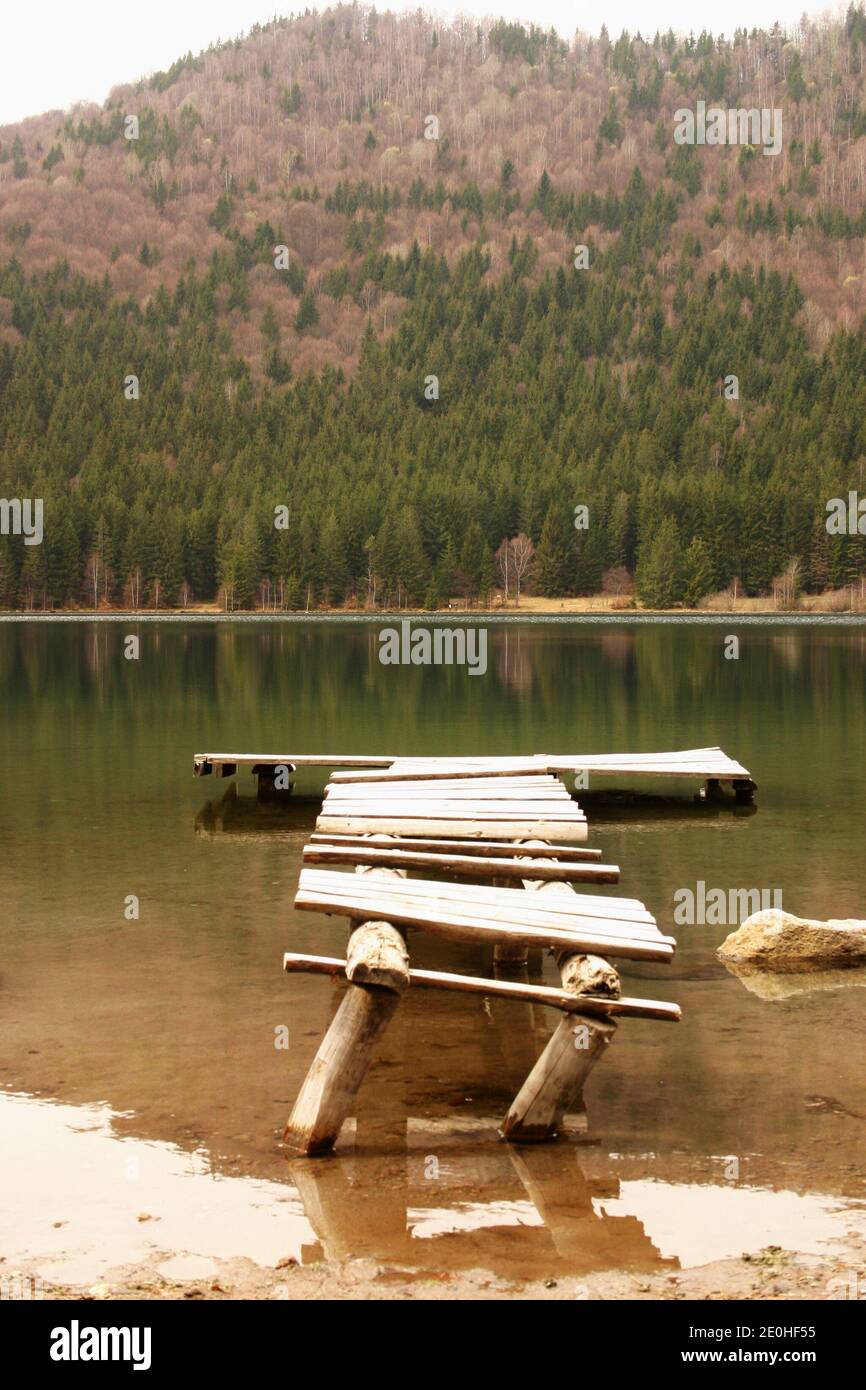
379, 964
274, 780
518, 990
377, 955
555, 1084
332, 1083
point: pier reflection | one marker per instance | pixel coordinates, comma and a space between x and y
456, 1199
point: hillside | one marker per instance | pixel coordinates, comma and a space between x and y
423, 371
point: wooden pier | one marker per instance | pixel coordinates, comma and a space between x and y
710, 766
507, 821
510, 826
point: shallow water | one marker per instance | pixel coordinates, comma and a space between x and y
740, 1127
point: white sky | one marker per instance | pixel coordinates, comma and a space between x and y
55, 52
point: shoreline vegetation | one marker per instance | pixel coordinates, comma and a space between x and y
843, 602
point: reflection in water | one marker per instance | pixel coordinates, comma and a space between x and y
80, 1203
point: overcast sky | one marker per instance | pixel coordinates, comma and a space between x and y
56, 52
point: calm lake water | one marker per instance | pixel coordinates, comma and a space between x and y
152, 1041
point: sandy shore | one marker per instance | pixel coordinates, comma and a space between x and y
531, 605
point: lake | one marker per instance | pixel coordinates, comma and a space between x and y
150, 1043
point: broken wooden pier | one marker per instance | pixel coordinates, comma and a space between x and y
510, 827
512, 823
709, 766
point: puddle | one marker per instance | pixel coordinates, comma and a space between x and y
80, 1202
77, 1201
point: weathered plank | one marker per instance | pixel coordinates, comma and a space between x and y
473, 927
604, 927
480, 848
509, 807
451, 791
520, 992
486, 828
467, 785
404, 771
470, 866
514, 901
694, 762
201, 760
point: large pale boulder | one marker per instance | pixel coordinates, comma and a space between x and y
775, 940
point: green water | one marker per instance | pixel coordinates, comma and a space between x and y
170, 1019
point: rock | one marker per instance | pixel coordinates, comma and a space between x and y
776, 940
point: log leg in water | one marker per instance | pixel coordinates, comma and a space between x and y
555, 1084
378, 970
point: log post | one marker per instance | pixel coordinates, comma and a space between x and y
377, 966
555, 1084
268, 775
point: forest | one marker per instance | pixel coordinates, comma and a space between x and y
386, 383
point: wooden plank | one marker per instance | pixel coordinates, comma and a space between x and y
695, 762
481, 848
513, 901
514, 809
543, 782
452, 791
299, 759
470, 866
462, 926
485, 828
613, 927
404, 772
519, 991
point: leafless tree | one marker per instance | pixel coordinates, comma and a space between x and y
522, 556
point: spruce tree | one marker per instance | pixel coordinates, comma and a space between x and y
554, 557
697, 572
659, 576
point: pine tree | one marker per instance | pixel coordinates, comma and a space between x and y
697, 572
307, 315
554, 557
658, 577
8, 581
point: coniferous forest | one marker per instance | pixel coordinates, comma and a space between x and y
281, 349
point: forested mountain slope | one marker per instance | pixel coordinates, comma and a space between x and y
280, 300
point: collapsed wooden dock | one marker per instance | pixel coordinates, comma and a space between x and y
511, 822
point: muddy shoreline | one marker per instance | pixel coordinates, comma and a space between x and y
771, 1274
